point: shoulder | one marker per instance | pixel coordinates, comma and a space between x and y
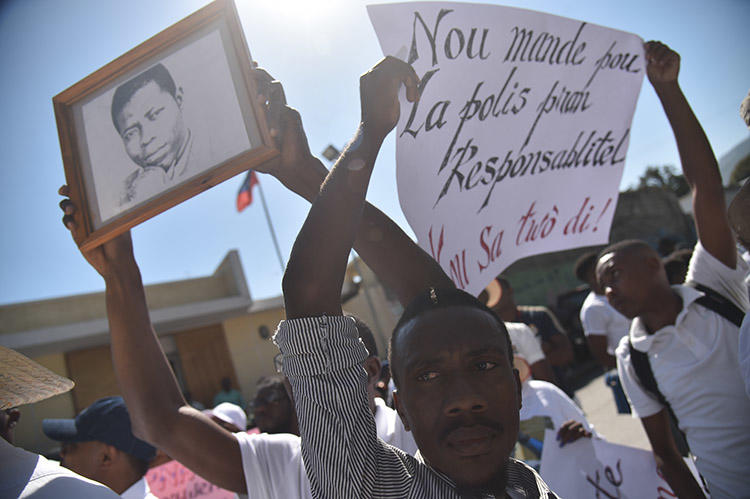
596, 308
707, 270
262, 452
523, 481
52, 480
623, 349
524, 342
545, 387
518, 329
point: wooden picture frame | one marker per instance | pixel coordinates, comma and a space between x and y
134, 145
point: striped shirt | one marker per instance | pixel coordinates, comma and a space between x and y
344, 458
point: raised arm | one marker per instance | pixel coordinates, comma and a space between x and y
395, 258
698, 161
158, 412
400, 264
315, 273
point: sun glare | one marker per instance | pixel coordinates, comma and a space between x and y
302, 13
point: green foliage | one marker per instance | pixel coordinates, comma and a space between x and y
664, 177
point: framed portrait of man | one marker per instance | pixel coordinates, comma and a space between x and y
163, 122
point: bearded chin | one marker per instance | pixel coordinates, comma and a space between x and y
495, 485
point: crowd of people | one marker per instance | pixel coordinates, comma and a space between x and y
476, 380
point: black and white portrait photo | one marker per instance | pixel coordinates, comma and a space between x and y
147, 113
162, 125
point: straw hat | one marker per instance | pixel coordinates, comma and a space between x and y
23, 381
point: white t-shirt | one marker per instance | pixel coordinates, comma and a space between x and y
695, 364
524, 342
273, 463
391, 430
273, 466
139, 490
544, 406
599, 318
25, 474
744, 352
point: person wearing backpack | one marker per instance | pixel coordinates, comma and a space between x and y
684, 338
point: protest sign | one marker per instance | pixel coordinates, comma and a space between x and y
517, 144
174, 481
596, 468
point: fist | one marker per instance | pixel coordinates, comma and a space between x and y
662, 63
378, 90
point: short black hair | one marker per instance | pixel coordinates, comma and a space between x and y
627, 246
273, 381
158, 74
434, 299
365, 334
584, 264
676, 265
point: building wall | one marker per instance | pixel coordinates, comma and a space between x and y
251, 354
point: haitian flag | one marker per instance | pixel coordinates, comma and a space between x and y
245, 194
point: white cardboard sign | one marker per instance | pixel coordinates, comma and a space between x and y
517, 144
595, 468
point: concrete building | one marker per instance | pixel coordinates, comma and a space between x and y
209, 328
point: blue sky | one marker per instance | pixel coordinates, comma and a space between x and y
318, 50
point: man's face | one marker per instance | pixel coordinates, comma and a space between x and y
625, 278
82, 458
151, 127
272, 409
458, 393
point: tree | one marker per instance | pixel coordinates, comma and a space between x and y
664, 177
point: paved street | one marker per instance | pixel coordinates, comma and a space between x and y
599, 406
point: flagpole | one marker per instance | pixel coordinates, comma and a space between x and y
270, 227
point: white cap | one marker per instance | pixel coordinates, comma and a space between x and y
230, 413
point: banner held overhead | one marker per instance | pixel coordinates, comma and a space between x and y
518, 142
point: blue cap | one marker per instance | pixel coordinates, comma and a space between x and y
106, 420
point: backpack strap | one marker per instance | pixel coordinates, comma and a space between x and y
642, 368
644, 373
716, 302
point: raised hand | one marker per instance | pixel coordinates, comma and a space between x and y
107, 256
662, 63
570, 431
378, 90
295, 167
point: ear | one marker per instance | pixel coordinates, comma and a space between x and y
178, 97
107, 455
518, 387
400, 410
13, 416
653, 263
372, 366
